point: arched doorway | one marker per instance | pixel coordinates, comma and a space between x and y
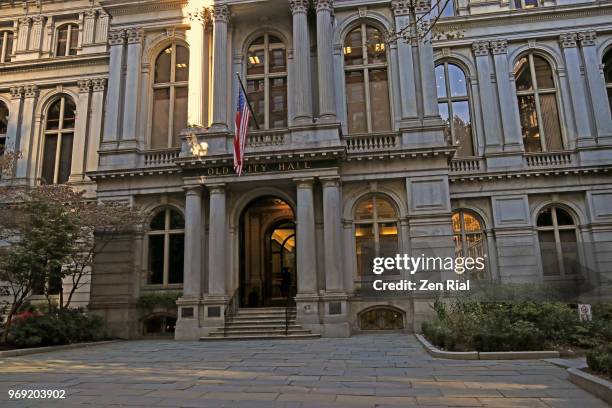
267, 254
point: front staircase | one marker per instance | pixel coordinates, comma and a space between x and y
261, 323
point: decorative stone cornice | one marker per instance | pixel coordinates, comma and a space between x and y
568, 40
98, 84
25, 21
16, 92
587, 38
84, 85
216, 188
299, 6
134, 35
499, 46
400, 7
325, 5
38, 19
116, 37
221, 13
331, 181
480, 48
304, 182
31, 91
204, 15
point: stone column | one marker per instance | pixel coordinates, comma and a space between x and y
488, 101
12, 129
114, 98
332, 230
26, 133
510, 119
407, 78
596, 84
221, 17
306, 252
80, 131
198, 68
426, 64
325, 36
217, 230
301, 62
132, 87
95, 128
192, 286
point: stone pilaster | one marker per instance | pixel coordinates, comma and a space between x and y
80, 131
493, 142
23, 33
426, 63
407, 76
96, 123
102, 26
332, 203
89, 26
221, 16
130, 137
12, 129
301, 62
198, 68
114, 100
217, 230
325, 34
26, 133
192, 286
306, 252
36, 33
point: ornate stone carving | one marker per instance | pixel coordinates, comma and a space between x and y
31, 91
84, 85
480, 48
568, 40
16, 92
98, 84
91, 13
325, 5
499, 46
135, 35
299, 6
221, 13
116, 37
400, 7
25, 21
203, 15
587, 38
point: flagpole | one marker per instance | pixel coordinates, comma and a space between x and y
246, 96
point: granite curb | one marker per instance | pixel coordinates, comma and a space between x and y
37, 350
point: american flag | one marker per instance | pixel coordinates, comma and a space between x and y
243, 115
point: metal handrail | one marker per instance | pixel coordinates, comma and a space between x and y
230, 310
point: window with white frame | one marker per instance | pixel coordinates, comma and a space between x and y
537, 101
58, 137
267, 81
170, 85
454, 106
66, 40
607, 64
366, 80
558, 237
6, 46
4, 115
166, 245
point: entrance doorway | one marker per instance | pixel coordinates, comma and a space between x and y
267, 254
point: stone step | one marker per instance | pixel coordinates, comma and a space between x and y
221, 333
260, 326
265, 314
259, 321
262, 337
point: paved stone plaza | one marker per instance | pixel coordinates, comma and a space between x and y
362, 371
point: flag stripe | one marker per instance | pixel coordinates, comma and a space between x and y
243, 115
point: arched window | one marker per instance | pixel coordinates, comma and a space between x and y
170, 96
381, 318
558, 238
59, 134
4, 113
267, 81
607, 63
537, 102
454, 106
67, 40
376, 232
6, 46
470, 240
367, 84
166, 248
443, 8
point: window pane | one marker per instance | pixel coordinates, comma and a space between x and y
163, 66
456, 219
523, 75
387, 239
182, 64
462, 125
545, 218
3, 118
159, 221
69, 113
2, 146
365, 210
355, 100
9, 45
278, 102
563, 217
62, 40
180, 114
384, 209
353, 51
74, 40
65, 158
531, 3
176, 220
256, 61
379, 94
377, 49
471, 223
365, 249
544, 75
448, 10
257, 95
529, 123
550, 121
156, 259
440, 81
48, 168
610, 98
457, 81
53, 115
443, 109
277, 60
569, 252
161, 112
175, 265
548, 252
607, 61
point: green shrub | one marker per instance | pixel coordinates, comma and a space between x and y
150, 301
600, 360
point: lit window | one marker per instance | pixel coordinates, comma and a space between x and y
6, 46
470, 241
367, 82
607, 63
381, 318
267, 81
67, 39
166, 239
59, 135
558, 238
170, 97
537, 102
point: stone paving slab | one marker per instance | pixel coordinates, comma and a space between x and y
387, 370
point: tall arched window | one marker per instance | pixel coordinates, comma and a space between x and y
170, 96
376, 232
537, 102
367, 83
454, 106
470, 240
558, 238
4, 113
267, 81
59, 134
607, 63
67, 40
166, 239
6, 46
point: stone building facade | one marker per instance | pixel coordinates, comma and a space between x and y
489, 135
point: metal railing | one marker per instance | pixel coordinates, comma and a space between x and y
230, 310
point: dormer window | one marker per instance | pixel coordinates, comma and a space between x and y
67, 40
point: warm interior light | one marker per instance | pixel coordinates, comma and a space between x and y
254, 60
348, 50
379, 47
181, 65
